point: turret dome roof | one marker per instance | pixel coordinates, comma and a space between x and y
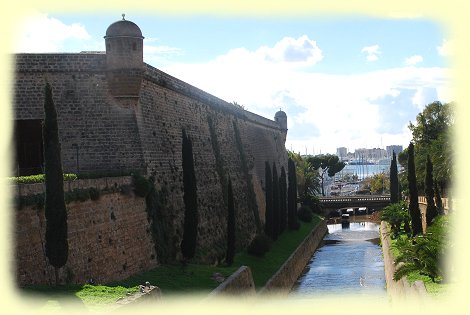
123, 28
280, 114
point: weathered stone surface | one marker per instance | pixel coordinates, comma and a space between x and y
109, 240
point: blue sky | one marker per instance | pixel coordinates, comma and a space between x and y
352, 81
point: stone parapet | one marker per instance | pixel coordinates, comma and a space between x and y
60, 62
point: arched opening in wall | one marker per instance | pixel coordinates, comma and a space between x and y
108, 47
29, 158
134, 46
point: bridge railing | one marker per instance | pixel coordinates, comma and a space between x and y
354, 198
445, 202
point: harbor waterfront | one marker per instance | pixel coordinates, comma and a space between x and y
364, 170
351, 176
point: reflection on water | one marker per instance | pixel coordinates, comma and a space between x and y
349, 261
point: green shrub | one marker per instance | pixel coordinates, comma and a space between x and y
295, 226
313, 202
259, 245
424, 253
39, 178
125, 189
77, 195
305, 214
94, 193
141, 185
109, 173
396, 214
30, 200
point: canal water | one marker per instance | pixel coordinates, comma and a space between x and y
349, 262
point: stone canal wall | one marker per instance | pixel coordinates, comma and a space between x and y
284, 279
239, 283
400, 289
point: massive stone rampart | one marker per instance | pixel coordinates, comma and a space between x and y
99, 132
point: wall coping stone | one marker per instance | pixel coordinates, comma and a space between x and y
148, 294
240, 283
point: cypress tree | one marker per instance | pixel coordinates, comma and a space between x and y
415, 213
268, 227
188, 244
437, 193
276, 210
282, 201
230, 225
431, 211
394, 195
292, 222
54, 205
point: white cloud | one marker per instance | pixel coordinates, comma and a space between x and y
301, 51
413, 60
342, 109
288, 52
446, 49
46, 34
150, 49
159, 55
372, 52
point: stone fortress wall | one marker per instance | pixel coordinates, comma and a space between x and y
109, 238
100, 131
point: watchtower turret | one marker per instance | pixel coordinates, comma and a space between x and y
281, 118
124, 58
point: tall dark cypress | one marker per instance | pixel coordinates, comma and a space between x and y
230, 225
268, 227
188, 244
415, 213
282, 201
431, 211
57, 247
394, 195
276, 209
292, 222
437, 193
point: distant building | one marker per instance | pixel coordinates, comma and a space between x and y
393, 148
374, 154
342, 153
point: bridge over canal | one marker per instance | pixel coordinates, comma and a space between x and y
376, 202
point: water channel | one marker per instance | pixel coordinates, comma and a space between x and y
349, 262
